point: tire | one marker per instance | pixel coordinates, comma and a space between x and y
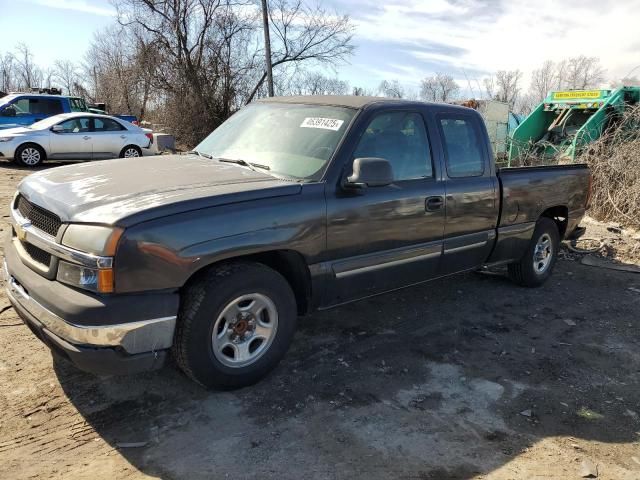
30, 155
131, 151
225, 301
534, 269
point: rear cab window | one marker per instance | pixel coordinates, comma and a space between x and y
463, 145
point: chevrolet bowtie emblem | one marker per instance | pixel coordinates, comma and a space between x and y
21, 231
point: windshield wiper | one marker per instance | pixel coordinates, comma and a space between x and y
202, 154
244, 163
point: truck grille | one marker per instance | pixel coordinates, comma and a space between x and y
37, 254
40, 218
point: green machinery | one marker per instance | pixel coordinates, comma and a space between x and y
566, 121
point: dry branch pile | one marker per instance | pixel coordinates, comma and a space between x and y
614, 160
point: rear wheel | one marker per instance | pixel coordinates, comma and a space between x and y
536, 266
235, 324
131, 151
29, 155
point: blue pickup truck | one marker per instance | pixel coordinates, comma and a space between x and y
22, 109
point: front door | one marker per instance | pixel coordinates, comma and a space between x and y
387, 237
73, 142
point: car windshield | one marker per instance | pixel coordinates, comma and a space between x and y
77, 104
291, 140
47, 122
4, 101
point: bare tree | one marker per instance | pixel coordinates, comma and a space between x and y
544, 79
29, 74
306, 34
120, 70
581, 72
504, 86
391, 89
314, 83
66, 74
8, 80
439, 88
361, 92
207, 54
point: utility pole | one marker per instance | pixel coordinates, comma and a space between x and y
267, 46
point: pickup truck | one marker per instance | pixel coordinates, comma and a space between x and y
23, 109
292, 205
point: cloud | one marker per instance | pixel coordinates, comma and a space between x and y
470, 38
93, 7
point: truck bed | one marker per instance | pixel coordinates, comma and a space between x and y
558, 191
528, 191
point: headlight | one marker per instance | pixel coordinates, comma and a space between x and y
96, 240
94, 279
93, 239
6, 139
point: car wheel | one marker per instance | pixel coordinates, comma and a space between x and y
30, 155
130, 151
235, 324
536, 266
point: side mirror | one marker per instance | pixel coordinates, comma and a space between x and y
8, 112
370, 172
57, 129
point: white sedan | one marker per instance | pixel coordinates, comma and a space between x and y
74, 136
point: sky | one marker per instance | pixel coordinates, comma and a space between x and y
404, 40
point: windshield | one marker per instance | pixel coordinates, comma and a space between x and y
291, 140
77, 104
5, 100
47, 122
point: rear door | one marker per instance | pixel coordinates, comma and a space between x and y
387, 237
109, 138
471, 189
74, 142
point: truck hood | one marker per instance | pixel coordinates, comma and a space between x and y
129, 191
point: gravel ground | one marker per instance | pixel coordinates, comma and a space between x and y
463, 378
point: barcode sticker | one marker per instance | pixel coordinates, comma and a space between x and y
326, 123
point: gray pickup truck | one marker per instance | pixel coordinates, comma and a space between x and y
292, 205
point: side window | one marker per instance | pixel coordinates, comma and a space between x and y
463, 147
22, 105
75, 125
400, 138
106, 125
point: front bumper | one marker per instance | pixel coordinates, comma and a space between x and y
8, 149
113, 334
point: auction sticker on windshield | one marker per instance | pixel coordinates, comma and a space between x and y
326, 123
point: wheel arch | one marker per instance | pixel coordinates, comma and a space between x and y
130, 145
288, 263
32, 143
560, 215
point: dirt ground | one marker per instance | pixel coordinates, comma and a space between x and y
464, 378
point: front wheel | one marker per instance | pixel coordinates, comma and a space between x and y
29, 155
536, 266
235, 324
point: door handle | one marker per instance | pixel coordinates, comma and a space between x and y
86, 137
433, 203
123, 136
